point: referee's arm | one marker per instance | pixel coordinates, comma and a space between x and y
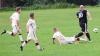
89, 15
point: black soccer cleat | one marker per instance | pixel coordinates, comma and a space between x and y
21, 48
3, 32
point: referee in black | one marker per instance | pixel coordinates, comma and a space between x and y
83, 22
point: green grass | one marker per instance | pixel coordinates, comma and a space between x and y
65, 20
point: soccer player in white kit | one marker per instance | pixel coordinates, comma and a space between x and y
62, 39
31, 31
15, 24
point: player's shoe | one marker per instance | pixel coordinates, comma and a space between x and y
3, 32
90, 41
21, 48
41, 49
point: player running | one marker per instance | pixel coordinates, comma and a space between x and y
62, 39
15, 17
82, 16
31, 30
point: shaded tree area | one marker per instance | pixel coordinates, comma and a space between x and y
13, 3
84, 2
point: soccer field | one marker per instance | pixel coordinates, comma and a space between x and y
65, 20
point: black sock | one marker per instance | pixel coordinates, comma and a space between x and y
36, 44
19, 34
88, 36
12, 34
26, 42
79, 34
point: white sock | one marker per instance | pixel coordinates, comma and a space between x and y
83, 39
8, 32
24, 44
38, 47
21, 38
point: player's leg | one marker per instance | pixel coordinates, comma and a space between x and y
81, 33
12, 33
24, 44
20, 35
36, 42
68, 40
88, 36
3, 32
87, 33
26, 41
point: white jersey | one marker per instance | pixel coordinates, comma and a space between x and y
63, 39
32, 25
59, 36
14, 17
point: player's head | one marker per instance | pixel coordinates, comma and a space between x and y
55, 29
82, 7
18, 9
31, 15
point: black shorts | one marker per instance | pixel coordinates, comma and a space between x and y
83, 27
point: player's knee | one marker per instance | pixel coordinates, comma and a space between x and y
36, 44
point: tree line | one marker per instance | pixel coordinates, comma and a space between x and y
46, 2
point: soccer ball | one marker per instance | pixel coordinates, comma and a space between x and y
95, 30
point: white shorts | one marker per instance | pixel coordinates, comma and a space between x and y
14, 29
69, 40
32, 36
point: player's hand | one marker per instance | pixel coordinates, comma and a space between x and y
53, 39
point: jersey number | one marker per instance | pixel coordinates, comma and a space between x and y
80, 15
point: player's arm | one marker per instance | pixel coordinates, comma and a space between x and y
53, 40
77, 15
18, 23
10, 20
58, 40
27, 28
89, 15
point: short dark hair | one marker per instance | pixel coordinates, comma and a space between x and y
32, 15
18, 8
54, 28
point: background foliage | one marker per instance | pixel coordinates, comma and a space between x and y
41, 4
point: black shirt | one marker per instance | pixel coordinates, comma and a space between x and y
82, 16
